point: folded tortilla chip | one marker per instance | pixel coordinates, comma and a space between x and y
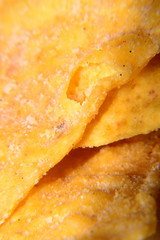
103, 193
47, 51
131, 110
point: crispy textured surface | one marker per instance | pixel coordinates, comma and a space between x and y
46, 52
105, 193
131, 110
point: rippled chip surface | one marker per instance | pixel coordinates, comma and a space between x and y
105, 193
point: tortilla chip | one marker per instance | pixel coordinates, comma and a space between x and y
131, 110
105, 193
45, 51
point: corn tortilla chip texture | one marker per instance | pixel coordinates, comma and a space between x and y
131, 110
45, 51
103, 193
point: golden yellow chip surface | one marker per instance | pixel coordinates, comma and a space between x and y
105, 193
58, 61
131, 110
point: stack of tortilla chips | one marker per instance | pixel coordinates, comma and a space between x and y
79, 119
